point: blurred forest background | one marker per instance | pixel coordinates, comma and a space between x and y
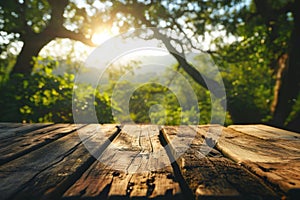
254, 43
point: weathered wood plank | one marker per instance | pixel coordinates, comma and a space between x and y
265, 132
123, 170
241, 146
11, 131
276, 130
5, 125
14, 147
262, 154
54, 180
19, 138
211, 175
286, 175
16, 174
50, 161
281, 138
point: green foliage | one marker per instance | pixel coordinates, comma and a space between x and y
248, 78
45, 97
5, 67
260, 33
261, 30
12, 12
296, 110
249, 92
156, 104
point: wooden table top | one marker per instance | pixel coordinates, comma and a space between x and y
92, 161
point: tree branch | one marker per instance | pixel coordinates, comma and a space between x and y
56, 27
65, 33
201, 79
57, 11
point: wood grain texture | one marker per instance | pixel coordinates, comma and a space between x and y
275, 130
209, 174
6, 125
16, 174
64, 161
266, 132
134, 165
7, 130
54, 180
14, 147
274, 156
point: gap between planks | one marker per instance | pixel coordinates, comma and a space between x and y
134, 165
268, 152
66, 171
50, 170
17, 146
217, 176
8, 130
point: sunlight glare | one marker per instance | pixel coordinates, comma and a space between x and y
101, 37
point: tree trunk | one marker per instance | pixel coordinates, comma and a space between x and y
294, 125
290, 87
33, 43
282, 63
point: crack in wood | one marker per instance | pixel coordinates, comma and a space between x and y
16, 150
53, 163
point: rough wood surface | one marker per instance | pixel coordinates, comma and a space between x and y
7, 130
212, 175
14, 147
130, 167
6, 125
266, 132
274, 156
16, 174
58, 161
54, 180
